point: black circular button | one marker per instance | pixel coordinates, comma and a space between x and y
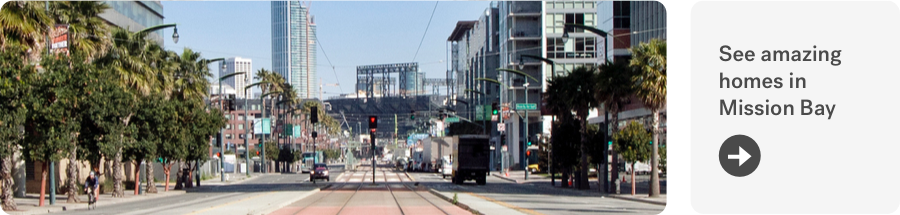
739, 155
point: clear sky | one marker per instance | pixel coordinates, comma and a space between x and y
350, 33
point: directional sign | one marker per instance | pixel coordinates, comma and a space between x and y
266, 126
451, 119
742, 156
526, 106
479, 113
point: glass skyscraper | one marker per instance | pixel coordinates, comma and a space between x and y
294, 46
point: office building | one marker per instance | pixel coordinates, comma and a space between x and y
238, 82
294, 46
136, 16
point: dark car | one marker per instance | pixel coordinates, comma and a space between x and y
320, 171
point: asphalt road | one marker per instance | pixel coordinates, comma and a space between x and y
531, 199
258, 195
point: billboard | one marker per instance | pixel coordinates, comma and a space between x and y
60, 35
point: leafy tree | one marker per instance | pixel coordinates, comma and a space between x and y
662, 158
272, 150
633, 144
55, 105
15, 88
650, 60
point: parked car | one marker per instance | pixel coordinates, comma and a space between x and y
446, 169
320, 172
533, 168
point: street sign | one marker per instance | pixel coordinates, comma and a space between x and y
506, 112
451, 119
487, 111
479, 113
297, 131
289, 130
495, 118
526, 106
501, 127
266, 126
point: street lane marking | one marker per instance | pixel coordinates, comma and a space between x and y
504, 204
232, 202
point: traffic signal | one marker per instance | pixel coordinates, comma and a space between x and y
314, 114
495, 109
373, 122
412, 115
257, 152
528, 153
219, 154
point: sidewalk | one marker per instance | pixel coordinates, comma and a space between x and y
28, 205
518, 176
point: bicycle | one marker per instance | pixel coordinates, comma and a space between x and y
92, 202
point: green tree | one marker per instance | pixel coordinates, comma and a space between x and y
633, 144
662, 157
88, 33
272, 151
25, 23
15, 88
564, 144
576, 93
650, 61
55, 105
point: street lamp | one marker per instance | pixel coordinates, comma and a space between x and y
222, 105
526, 130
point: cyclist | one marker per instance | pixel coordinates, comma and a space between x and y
92, 183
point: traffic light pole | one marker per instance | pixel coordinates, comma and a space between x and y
527, 141
246, 132
372, 138
221, 131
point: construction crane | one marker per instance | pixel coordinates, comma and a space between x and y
325, 84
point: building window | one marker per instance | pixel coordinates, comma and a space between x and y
240, 126
228, 126
241, 117
229, 136
555, 22
575, 48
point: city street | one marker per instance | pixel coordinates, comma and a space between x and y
258, 195
354, 193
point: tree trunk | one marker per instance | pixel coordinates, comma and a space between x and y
197, 169
179, 176
6, 172
137, 177
43, 184
654, 158
151, 183
614, 173
72, 176
118, 189
167, 169
582, 176
565, 178
632, 178
189, 179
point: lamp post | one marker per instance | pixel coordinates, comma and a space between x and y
222, 130
605, 35
526, 130
553, 73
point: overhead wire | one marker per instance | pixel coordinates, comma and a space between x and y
426, 31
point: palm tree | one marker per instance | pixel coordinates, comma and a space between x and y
577, 93
128, 57
193, 83
616, 89
650, 61
25, 23
88, 33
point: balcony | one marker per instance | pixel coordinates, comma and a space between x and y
531, 8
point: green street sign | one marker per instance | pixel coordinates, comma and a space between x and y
451, 119
288, 130
479, 113
266, 126
526, 106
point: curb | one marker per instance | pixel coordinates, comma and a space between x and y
450, 200
637, 200
77, 206
505, 178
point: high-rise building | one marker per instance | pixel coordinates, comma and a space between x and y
648, 21
233, 65
135, 16
294, 46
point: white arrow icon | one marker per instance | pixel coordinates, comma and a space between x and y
742, 156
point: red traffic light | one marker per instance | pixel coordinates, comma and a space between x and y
257, 152
528, 153
373, 122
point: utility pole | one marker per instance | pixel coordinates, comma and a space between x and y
246, 129
526, 130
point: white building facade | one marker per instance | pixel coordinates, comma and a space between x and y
238, 82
